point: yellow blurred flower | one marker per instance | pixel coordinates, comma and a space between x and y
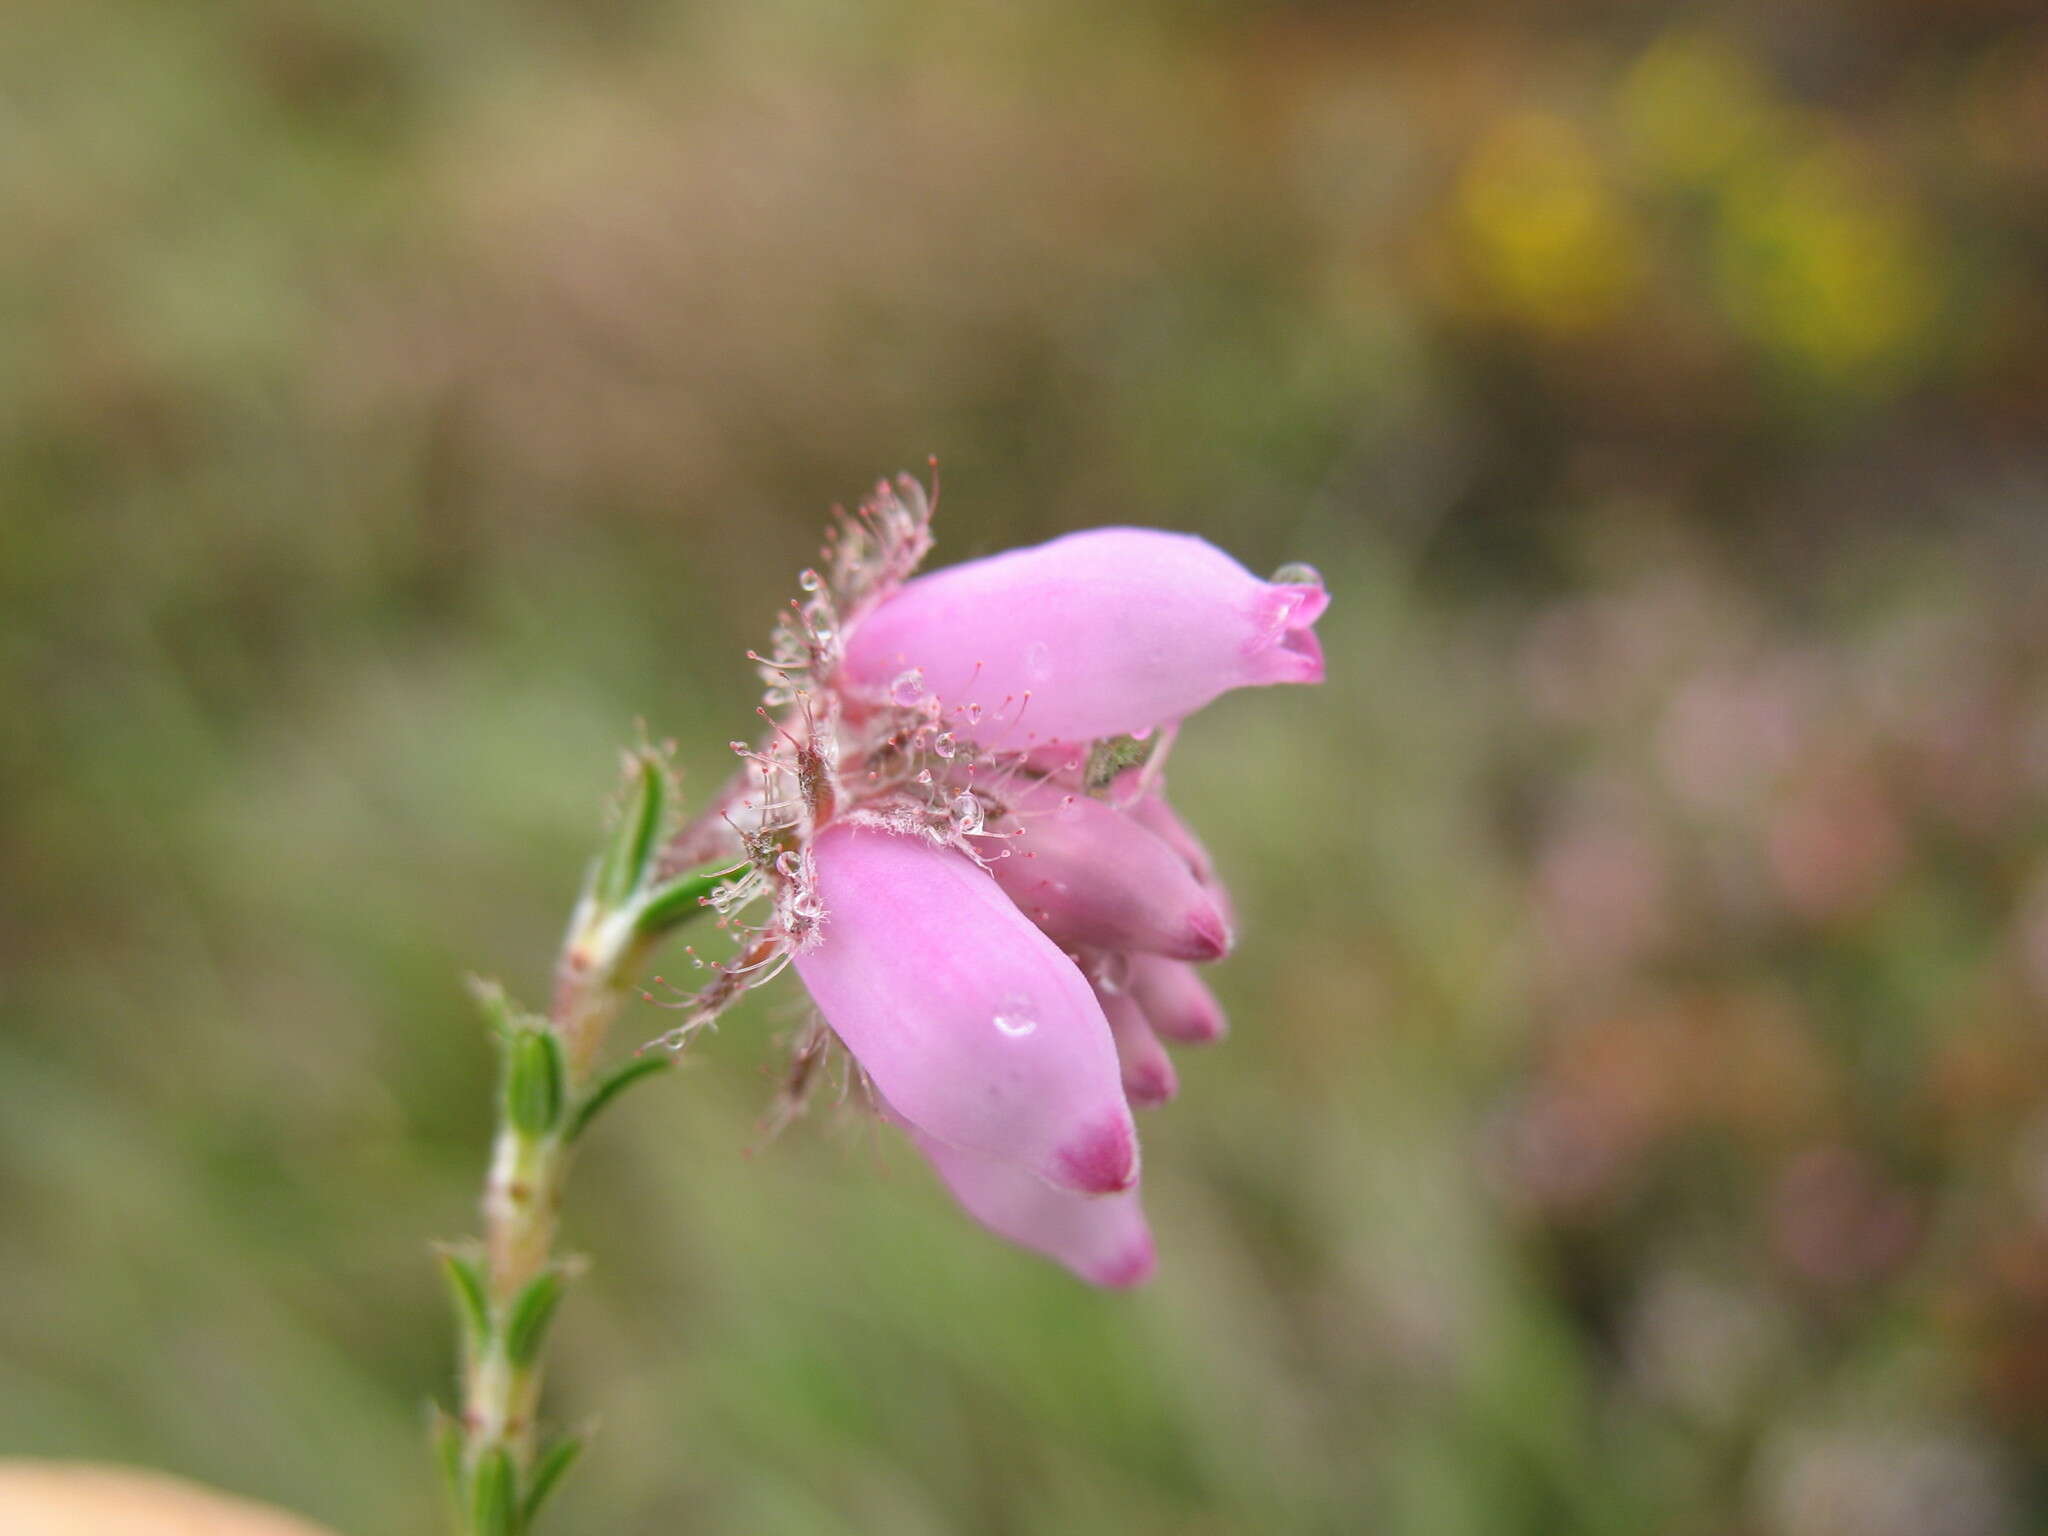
1541, 230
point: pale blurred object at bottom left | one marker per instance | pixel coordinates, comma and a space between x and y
47, 1498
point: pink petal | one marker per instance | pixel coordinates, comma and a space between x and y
1151, 811
970, 1021
1101, 1238
1176, 1002
1092, 878
1149, 1078
1109, 631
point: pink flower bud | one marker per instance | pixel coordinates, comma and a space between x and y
1148, 1076
1101, 1238
1111, 631
1177, 1004
1092, 878
970, 1021
1151, 812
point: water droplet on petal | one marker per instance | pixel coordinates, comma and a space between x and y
944, 744
974, 714
908, 687
1038, 661
809, 580
1297, 574
924, 775
1015, 1015
966, 814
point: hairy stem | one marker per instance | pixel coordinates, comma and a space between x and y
522, 1201
551, 1086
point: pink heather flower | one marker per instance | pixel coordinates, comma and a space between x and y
1147, 1072
958, 827
969, 1020
1109, 632
1094, 878
1177, 1003
1101, 1238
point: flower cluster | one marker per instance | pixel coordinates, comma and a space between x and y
957, 828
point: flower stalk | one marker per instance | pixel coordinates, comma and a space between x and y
507, 1287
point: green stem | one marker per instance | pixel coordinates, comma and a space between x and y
506, 1291
522, 1202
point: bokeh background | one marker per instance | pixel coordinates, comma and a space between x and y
1635, 1115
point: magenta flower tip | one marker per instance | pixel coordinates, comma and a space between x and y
1132, 1267
1209, 935
1101, 1160
1152, 1084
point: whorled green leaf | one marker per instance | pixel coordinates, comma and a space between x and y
494, 1495
675, 903
547, 1471
447, 1433
526, 1325
501, 1014
630, 853
610, 1087
466, 1287
534, 1081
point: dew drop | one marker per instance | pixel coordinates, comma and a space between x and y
908, 687
1015, 1015
1112, 972
924, 775
974, 714
810, 580
966, 813
1038, 661
944, 744
1298, 574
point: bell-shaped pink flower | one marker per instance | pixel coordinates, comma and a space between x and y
1177, 1003
1101, 1238
1111, 631
1151, 811
1092, 878
970, 1021
1148, 1075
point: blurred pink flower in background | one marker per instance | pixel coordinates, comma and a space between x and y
958, 822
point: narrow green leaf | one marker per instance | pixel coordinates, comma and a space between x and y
534, 1081
631, 849
447, 1432
500, 1014
675, 903
494, 1495
466, 1287
611, 1087
527, 1326
547, 1472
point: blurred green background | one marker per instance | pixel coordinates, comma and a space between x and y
1635, 1115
